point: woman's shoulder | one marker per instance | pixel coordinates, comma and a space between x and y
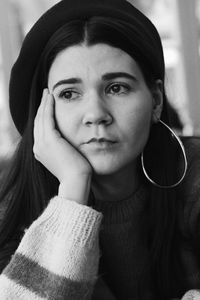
192, 146
189, 189
192, 179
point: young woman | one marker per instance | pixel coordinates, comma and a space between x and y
97, 200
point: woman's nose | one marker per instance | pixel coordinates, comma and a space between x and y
96, 112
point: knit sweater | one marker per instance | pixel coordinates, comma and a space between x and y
57, 257
70, 251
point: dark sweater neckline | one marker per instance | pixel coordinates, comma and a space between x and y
121, 211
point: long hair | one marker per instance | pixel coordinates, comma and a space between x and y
28, 185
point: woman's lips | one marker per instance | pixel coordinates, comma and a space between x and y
101, 145
101, 140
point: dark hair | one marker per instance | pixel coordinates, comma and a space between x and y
28, 185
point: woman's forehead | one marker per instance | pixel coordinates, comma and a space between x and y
97, 60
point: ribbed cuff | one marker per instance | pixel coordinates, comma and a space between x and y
72, 220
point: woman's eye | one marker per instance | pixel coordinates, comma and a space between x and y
68, 95
118, 89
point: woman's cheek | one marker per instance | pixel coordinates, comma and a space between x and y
138, 126
65, 122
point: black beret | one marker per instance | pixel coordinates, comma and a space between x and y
23, 70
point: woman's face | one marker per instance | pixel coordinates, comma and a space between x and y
100, 93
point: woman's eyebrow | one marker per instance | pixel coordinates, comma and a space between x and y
105, 77
67, 81
114, 75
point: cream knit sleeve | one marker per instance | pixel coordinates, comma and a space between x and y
192, 295
58, 256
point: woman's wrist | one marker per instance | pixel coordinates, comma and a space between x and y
75, 188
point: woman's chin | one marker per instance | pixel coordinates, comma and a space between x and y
105, 167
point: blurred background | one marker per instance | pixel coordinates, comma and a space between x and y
178, 22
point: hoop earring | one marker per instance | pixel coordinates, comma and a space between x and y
184, 156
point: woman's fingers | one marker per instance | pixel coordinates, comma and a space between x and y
42, 114
38, 122
48, 117
44, 125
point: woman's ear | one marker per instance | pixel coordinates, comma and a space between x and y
157, 94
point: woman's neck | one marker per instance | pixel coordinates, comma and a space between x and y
116, 186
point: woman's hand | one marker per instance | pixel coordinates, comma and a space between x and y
65, 162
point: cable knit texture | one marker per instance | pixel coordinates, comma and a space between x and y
97, 252
57, 257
